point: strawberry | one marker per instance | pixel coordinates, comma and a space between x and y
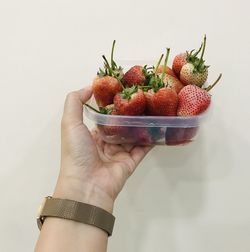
168, 77
130, 101
161, 100
195, 72
108, 82
104, 90
194, 100
134, 76
110, 130
180, 136
189, 75
183, 58
173, 83
168, 71
190, 133
179, 61
142, 136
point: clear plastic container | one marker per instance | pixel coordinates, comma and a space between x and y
146, 130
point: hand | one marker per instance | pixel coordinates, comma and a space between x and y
92, 171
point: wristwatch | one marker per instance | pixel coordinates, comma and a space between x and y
75, 211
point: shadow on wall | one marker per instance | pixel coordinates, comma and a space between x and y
171, 185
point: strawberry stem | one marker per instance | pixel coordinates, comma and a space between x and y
198, 50
165, 64
87, 105
108, 66
203, 49
112, 55
158, 63
211, 86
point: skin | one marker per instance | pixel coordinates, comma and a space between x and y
94, 174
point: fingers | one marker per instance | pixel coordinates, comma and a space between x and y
99, 142
73, 107
128, 147
139, 152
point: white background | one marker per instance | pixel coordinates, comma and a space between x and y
194, 198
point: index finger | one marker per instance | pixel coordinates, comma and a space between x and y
73, 107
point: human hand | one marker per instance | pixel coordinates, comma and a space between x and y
92, 171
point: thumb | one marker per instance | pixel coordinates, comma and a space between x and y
73, 107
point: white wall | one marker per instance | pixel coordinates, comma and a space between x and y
194, 198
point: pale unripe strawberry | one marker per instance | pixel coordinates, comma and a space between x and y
168, 71
189, 75
191, 68
173, 83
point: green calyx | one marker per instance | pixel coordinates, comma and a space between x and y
105, 110
128, 92
198, 62
102, 110
111, 69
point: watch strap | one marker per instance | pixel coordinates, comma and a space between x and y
76, 211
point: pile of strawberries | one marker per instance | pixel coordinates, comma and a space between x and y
154, 90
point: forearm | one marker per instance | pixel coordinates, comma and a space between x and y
59, 235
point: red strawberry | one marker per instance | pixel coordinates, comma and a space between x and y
180, 136
168, 71
179, 61
104, 90
110, 130
108, 82
195, 72
130, 101
134, 76
142, 136
190, 133
174, 136
194, 100
163, 102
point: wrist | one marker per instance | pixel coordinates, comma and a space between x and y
73, 189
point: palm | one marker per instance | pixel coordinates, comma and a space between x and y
107, 166
110, 164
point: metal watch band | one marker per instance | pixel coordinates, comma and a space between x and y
76, 211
